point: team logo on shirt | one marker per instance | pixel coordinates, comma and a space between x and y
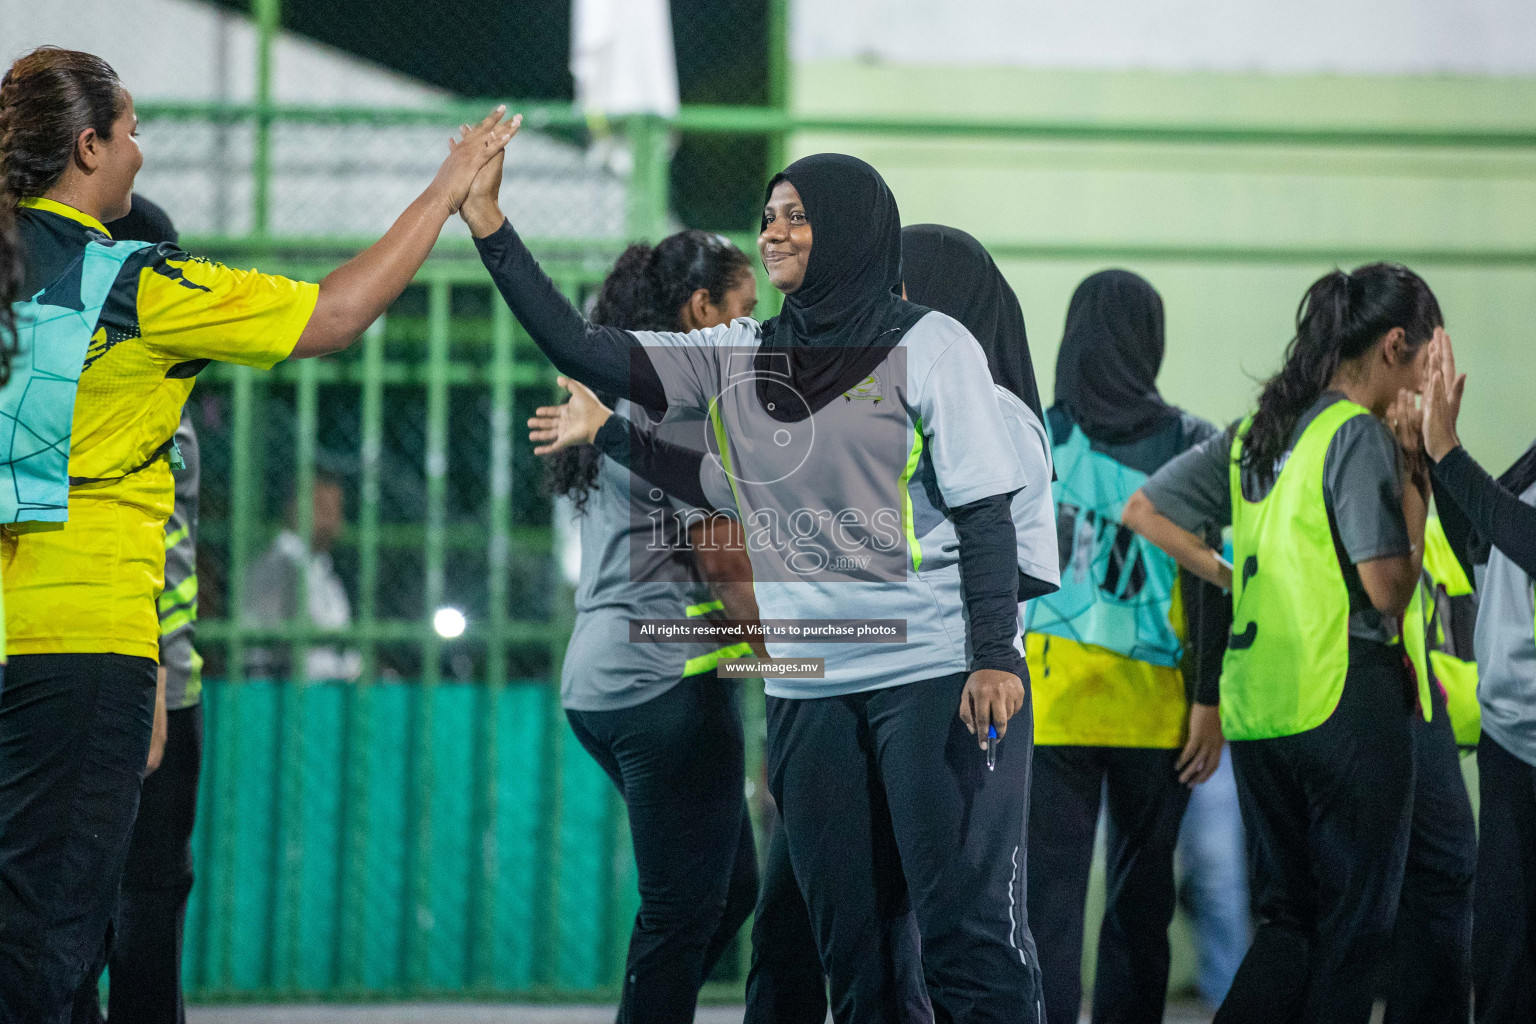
867, 390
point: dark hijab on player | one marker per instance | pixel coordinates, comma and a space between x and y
948, 270
848, 314
144, 222
1111, 351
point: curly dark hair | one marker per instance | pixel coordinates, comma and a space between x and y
1341, 316
646, 291
10, 285
47, 98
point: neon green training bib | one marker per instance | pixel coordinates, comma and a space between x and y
1445, 592
1289, 650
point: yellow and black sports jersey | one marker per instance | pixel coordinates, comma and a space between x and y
1089, 696
91, 586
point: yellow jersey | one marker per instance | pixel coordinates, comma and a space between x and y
90, 585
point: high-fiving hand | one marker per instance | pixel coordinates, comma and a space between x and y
481, 210
1443, 388
468, 153
575, 422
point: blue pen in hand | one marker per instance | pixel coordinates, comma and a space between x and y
991, 748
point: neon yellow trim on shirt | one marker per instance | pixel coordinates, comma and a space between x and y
725, 447
913, 457
707, 662
695, 610
49, 206
184, 592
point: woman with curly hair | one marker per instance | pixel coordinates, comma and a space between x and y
655, 716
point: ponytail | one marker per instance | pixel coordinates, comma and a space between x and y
649, 285
647, 290
1339, 319
47, 98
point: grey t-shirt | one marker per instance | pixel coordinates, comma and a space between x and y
1362, 488
1034, 510
178, 600
634, 565
1506, 651
838, 506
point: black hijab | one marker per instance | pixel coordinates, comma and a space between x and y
948, 270
848, 313
1111, 350
144, 222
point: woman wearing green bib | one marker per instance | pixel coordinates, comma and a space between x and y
1327, 510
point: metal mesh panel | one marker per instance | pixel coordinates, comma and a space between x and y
350, 179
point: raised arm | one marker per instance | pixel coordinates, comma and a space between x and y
607, 358
356, 293
1499, 517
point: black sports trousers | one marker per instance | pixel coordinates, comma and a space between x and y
74, 737
1504, 903
885, 793
145, 943
1431, 977
679, 763
785, 984
1327, 814
1145, 804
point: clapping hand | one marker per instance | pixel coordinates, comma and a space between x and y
1404, 418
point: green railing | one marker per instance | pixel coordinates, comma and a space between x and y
648, 204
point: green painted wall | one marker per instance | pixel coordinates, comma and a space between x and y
1227, 321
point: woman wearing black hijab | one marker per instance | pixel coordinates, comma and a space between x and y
852, 426
946, 269
1107, 655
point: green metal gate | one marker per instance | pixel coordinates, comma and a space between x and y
422, 830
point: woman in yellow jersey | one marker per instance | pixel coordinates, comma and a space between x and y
1114, 723
1327, 509
112, 335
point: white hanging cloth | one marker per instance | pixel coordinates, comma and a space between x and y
622, 57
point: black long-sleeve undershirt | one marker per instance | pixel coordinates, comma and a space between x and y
1208, 623
1499, 517
989, 581
674, 468
603, 358
1469, 551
